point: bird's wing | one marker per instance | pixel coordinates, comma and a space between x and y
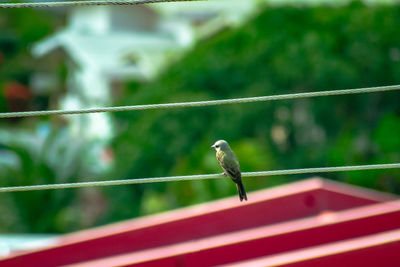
230, 165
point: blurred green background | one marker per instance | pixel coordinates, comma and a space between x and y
280, 50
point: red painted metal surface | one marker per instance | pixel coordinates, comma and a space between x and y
266, 207
267, 240
374, 250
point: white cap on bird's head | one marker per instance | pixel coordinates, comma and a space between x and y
220, 145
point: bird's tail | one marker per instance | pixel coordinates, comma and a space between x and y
241, 191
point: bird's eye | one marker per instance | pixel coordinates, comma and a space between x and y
217, 146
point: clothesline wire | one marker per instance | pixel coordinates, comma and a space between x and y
87, 3
195, 177
202, 103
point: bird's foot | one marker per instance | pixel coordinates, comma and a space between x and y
224, 174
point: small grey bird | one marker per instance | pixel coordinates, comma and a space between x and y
229, 162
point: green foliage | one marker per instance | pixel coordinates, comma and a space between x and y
283, 50
387, 134
40, 210
19, 29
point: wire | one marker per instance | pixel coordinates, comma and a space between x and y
201, 103
195, 177
87, 3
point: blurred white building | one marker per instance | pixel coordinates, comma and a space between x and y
108, 44
115, 43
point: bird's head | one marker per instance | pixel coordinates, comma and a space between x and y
221, 145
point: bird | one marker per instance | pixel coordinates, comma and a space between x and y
230, 164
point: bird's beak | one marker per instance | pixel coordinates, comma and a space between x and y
213, 146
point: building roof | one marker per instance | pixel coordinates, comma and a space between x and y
291, 217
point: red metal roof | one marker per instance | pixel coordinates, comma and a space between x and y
256, 242
374, 250
226, 231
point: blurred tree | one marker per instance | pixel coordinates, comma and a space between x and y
19, 28
52, 159
281, 50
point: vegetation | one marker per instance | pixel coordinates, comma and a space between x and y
282, 50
